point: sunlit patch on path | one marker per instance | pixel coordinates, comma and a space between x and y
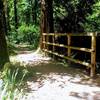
30, 58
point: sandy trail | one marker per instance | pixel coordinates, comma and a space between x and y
54, 81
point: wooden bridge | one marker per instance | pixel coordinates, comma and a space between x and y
46, 37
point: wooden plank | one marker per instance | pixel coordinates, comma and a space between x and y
82, 34
69, 58
57, 34
47, 40
93, 56
71, 47
71, 34
53, 48
44, 45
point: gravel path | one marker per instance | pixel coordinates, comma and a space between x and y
57, 87
56, 82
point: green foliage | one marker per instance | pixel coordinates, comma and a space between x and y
29, 34
11, 48
12, 81
93, 20
24, 7
28, 30
69, 16
60, 11
77, 15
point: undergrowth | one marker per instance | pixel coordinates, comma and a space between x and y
12, 81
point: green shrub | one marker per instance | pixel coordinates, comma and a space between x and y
12, 81
93, 20
29, 34
11, 48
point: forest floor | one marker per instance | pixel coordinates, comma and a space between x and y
54, 80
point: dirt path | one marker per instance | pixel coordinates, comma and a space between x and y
54, 81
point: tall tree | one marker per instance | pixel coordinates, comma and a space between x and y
49, 11
43, 22
28, 12
3, 46
5, 15
15, 14
46, 17
47, 24
43, 17
34, 4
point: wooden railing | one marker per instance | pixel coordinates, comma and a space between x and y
68, 36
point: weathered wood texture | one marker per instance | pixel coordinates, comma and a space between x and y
93, 55
92, 50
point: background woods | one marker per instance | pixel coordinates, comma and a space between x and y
23, 19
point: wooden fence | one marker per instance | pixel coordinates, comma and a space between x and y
91, 50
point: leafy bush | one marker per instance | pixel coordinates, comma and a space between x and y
11, 48
29, 34
93, 19
12, 81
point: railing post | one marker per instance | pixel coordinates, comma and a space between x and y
43, 40
47, 40
93, 55
53, 37
69, 44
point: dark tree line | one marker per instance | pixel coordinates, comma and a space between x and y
72, 15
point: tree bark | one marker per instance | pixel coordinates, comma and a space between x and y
7, 11
8, 19
5, 16
43, 22
3, 45
15, 14
49, 11
47, 23
34, 10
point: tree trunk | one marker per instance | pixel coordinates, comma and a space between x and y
49, 11
8, 19
47, 23
34, 10
15, 14
43, 22
28, 13
5, 16
3, 46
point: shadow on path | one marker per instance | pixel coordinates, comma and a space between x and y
53, 81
